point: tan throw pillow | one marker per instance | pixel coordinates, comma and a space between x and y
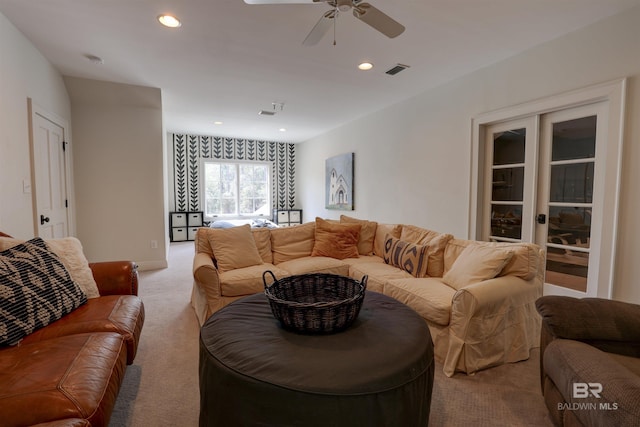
336, 240
234, 247
475, 264
295, 242
381, 233
69, 250
367, 233
410, 257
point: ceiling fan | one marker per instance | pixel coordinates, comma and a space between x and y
365, 12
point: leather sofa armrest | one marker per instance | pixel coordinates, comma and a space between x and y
612, 326
116, 277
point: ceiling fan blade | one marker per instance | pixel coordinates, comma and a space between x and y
283, 1
378, 20
320, 29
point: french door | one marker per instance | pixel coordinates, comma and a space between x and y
545, 183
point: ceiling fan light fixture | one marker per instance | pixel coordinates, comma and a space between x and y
365, 66
343, 5
169, 21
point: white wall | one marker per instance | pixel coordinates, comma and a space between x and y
119, 159
24, 73
412, 160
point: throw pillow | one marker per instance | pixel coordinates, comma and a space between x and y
234, 247
367, 233
70, 252
382, 230
475, 264
410, 257
295, 242
336, 240
35, 290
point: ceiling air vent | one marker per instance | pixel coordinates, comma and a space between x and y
395, 70
266, 113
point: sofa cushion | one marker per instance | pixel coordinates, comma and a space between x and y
363, 259
523, 264
437, 242
381, 233
315, 264
122, 314
367, 233
262, 237
234, 247
475, 264
292, 242
35, 290
336, 240
378, 273
410, 257
69, 250
75, 376
247, 280
429, 297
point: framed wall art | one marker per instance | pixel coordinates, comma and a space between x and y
339, 182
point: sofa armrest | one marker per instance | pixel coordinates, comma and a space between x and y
116, 277
492, 322
493, 297
569, 362
206, 276
612, 326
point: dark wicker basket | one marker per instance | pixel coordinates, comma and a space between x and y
315, 303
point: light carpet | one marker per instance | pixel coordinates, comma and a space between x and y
161, 387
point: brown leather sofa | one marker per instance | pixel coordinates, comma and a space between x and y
69, 372
590, 361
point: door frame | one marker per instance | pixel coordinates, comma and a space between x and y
613, 93
35, 109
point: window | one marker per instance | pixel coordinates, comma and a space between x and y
236, 189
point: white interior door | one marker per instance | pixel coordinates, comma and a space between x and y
548, 172
510, 155
49, 166
571, 198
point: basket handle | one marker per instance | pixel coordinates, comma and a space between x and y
264, 278
364, 282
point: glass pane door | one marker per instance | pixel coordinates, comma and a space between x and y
509, 181
566, 198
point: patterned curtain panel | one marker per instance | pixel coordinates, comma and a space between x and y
189, 149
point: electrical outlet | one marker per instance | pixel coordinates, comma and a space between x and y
154, 244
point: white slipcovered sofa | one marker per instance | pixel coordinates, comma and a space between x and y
478, 298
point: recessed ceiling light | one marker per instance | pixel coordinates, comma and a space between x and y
169, 21
365, 66
217, 123
283, 130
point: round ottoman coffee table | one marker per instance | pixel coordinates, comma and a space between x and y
378, 372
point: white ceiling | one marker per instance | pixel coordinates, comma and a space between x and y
230, 59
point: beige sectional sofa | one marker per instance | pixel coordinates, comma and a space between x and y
478, 298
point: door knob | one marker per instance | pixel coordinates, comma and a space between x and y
43, 219
541, 218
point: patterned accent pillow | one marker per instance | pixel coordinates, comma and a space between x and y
410, 257
35, 290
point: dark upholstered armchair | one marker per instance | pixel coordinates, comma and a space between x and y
590, 361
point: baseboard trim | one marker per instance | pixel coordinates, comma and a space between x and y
151, 265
